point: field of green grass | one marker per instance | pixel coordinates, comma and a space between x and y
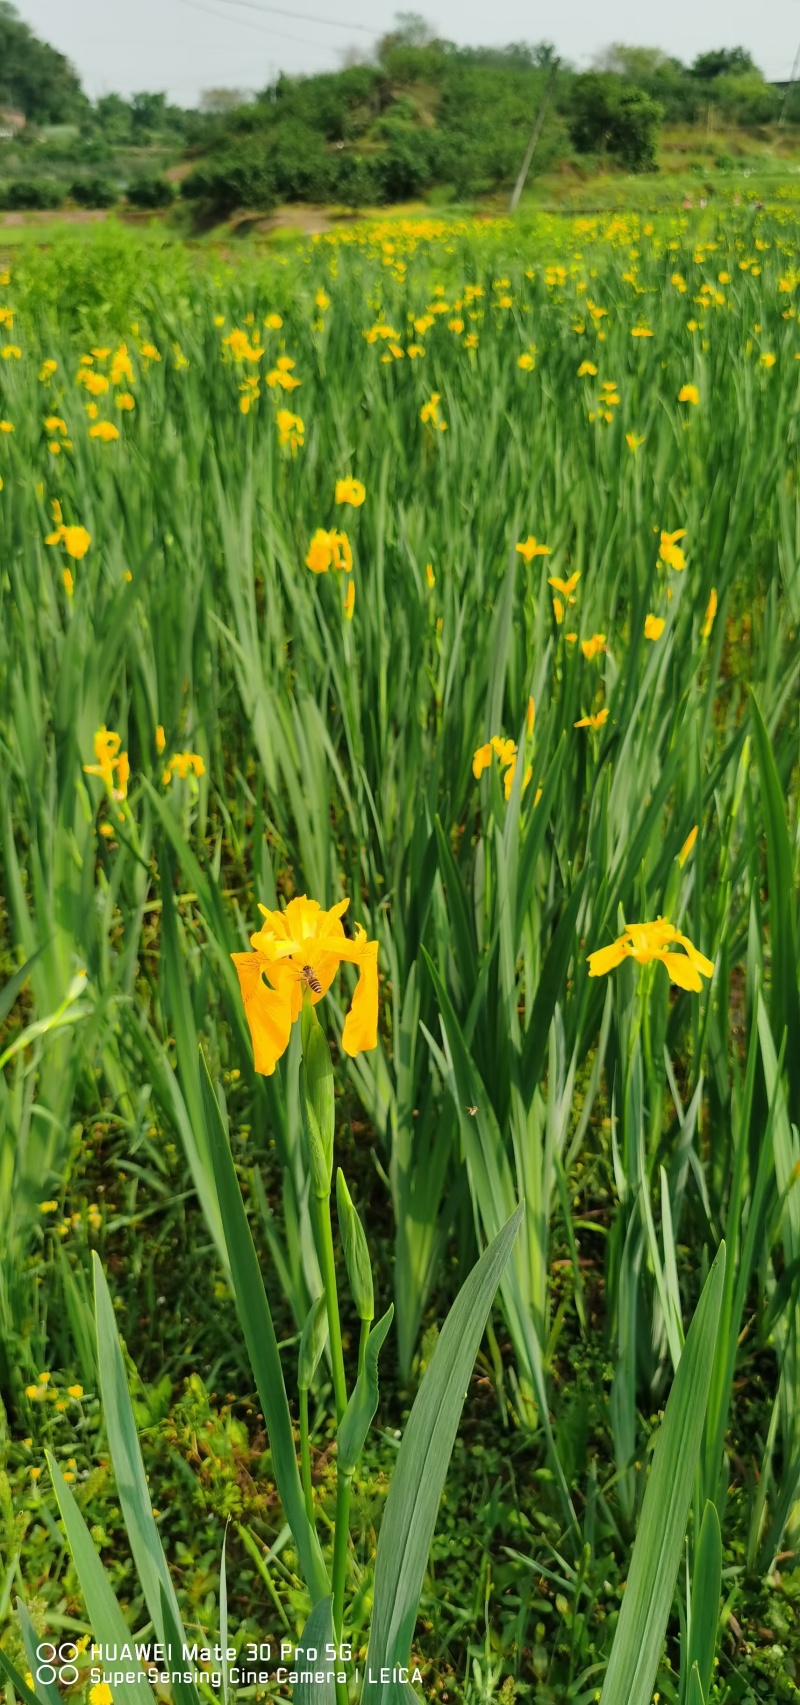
446, 566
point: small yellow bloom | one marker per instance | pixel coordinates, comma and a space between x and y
565, 587
350, 601
641, 331
633, 442
47, 370
105, 430
75, 1391
482, 760
595, 721
5, 426
711, 610
687, 846
530, 548
768, 360
591, 648
586, 370
689, 394
527, 362
655, 941
329, 550
69, 584
112, 764
429, 574
299, 952
669, 550
429, 413
101, 1694
290, 429
161, 739
322, 301
654, 626
530, 716
183, 764
124, 400
47, 1207
54, 423
273, 322
76, 540
350, 491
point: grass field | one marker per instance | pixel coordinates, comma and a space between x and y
451, 567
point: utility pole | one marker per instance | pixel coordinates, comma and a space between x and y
535, 134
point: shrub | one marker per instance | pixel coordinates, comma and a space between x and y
609, 114
150, 192
233, 181
93, 192
30, 194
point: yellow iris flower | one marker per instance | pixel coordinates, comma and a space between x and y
656, 941
299, 952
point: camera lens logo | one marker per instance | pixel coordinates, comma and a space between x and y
56, 1663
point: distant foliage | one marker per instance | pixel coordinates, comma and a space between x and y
611, 115
30, 194
93, 192
34, 78
150, 192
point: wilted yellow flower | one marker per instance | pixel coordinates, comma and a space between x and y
350, 491
104, 429
669, 551
299, 952
687, 846
595, 721
654, 626
591, 648
530, 548
76, 540
708, 619
688, 394
648, 942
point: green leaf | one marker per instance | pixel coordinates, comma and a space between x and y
650, 1588
356, 1251
317, 1634
784, 992
262, 1345
695, 1695
312, 1343
46, 1691
551, 984
126, 1457
706, 1588
355, 1422
13, 1675
109, 1627
422, 1461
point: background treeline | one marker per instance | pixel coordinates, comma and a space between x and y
423, 114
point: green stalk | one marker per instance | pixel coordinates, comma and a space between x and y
305, 1457
322, 1218
342, 1535
362, 1344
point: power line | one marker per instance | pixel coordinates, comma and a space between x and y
276, 35
305, 17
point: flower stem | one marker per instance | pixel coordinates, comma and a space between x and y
322, 1215
341, 1538
305, 1457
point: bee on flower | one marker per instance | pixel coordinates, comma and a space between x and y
295, 957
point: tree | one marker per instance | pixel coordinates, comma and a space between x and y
34, 78
224, 100
723, 62
609, 114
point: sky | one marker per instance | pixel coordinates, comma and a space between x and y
187, 46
